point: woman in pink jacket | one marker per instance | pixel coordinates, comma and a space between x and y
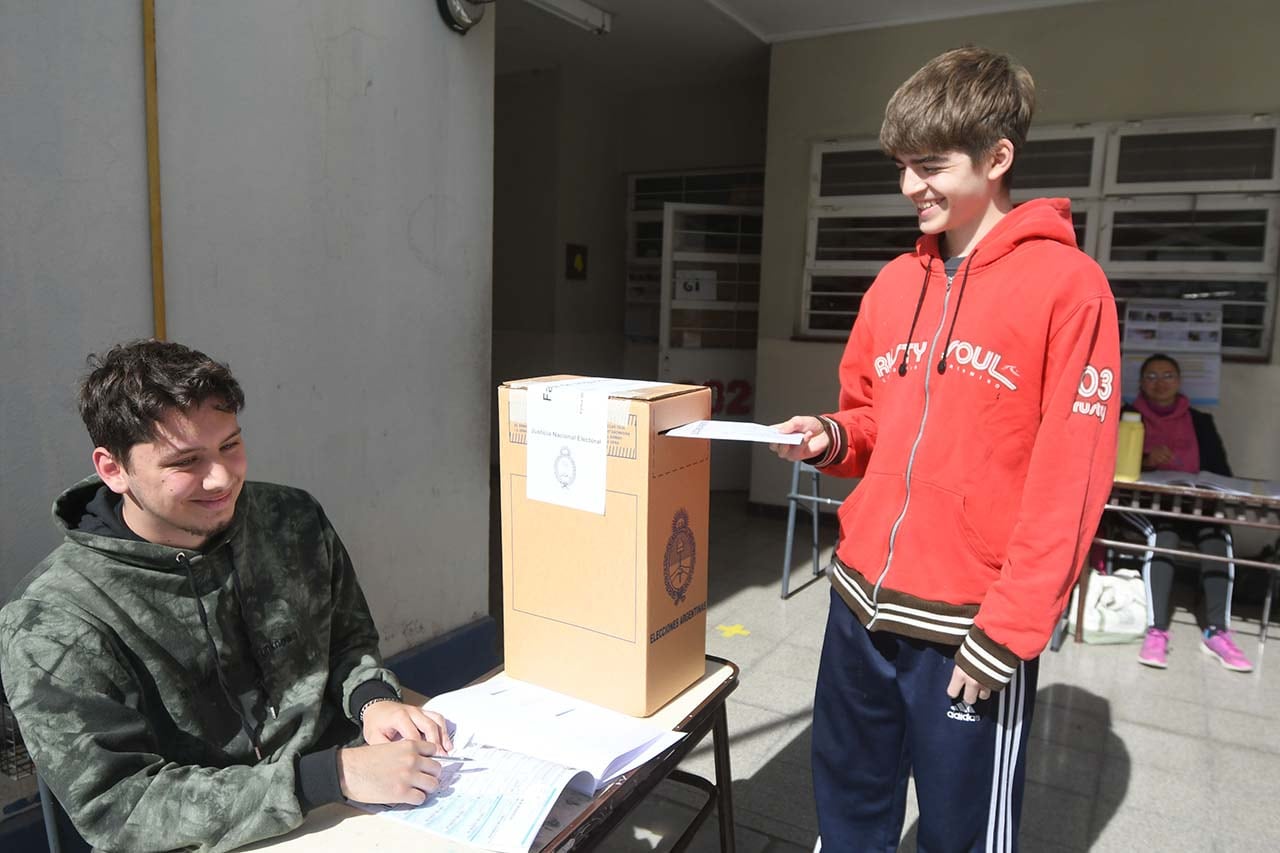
1179, 438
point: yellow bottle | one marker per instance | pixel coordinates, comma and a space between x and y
1129, 448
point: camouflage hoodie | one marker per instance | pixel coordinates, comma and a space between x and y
109, 668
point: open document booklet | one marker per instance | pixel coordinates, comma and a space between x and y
534, 760
1217, 482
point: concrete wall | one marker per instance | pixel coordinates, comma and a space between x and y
526, 264
74, 253
1125, 59
589, 311
693, 127
327, 192
556, 184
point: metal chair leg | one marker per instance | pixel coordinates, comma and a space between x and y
50, 813
791, 529
1266, 607
814, 513
812, 501
1231, 573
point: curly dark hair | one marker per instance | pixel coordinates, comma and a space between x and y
131, 387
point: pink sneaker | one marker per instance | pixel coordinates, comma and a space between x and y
1155, 649
1220, 645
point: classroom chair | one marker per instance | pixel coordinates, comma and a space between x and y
61, 834
811, 502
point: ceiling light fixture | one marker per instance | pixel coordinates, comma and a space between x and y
461, 15
582, 14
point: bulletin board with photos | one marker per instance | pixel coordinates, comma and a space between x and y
1189, 331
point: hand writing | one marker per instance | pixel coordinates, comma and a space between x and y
389, 773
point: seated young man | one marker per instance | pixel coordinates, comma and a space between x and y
189, 666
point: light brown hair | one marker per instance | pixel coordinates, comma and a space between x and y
966, 99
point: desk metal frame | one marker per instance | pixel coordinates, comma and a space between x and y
1195, 505
613, 804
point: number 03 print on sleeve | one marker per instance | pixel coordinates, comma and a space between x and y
1096, 387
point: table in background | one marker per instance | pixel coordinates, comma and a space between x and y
700, 709
1197, 506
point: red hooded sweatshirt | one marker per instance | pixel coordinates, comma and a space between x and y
980, 413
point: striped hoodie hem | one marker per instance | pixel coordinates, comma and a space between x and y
991, 664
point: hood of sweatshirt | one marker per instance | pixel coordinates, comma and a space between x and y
85, 515
1038, 219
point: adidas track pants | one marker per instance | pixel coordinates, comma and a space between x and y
881, 714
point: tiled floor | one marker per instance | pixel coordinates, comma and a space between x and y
1122, 757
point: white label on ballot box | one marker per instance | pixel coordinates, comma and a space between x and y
568, 440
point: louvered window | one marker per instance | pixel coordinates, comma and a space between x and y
864, 237
1226, 155
849, 243
650, 192
833, 301
1246, 303
1178, 209
1202, 233
646, 195
856, 172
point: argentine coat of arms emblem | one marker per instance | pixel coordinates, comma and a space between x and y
681, 557
566, 469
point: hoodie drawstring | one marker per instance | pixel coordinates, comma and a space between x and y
254, 644
236, 706
902, 368
942, 362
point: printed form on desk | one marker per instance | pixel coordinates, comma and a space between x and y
536, 760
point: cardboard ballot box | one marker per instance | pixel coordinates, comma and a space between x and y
604, 538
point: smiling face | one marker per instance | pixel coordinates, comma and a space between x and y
180, 488
955, 198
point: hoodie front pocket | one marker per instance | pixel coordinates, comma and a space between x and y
866, 518
975, 539
937, 535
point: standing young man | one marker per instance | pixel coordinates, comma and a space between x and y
978, 403
190, 665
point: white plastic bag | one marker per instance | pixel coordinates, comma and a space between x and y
1115, 607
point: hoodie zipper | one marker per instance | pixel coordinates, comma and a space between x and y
911, 458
